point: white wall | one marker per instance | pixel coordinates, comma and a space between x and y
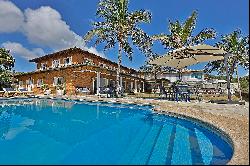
186, 77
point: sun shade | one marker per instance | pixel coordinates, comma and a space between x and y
187, 56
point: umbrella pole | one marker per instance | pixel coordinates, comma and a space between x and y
229, 95
180, 75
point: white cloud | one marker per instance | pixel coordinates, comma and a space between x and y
18, 50
94, 51
11, 17
45, 28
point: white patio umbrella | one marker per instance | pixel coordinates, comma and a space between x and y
191, 55
187, 56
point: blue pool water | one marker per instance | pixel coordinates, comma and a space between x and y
39, 131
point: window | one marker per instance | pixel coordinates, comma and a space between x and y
67, 61
29, 81
20, 83
43, 66
58, 81
39, 82
88, 61
56, 63
196, 75
102, 65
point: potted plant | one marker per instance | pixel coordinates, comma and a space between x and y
60, 89
45, 88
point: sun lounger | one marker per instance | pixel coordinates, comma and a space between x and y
25, 91
10, 92
83, 90
2, 93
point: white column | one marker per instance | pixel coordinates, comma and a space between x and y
97, 82
143, 90
135, 86
93, 84
120, 81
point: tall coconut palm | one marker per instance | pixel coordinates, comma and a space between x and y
119, 26
237, 45
181, 34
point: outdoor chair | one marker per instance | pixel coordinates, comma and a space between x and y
102, 92
168, 94
181, 92
107, 92
10, 92
24, 91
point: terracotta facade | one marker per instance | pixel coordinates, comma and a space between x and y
78, 68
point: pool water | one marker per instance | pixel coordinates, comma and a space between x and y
39, 131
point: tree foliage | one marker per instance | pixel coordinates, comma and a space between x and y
120, 26
6, 64
238, 46
181, 34
155, 69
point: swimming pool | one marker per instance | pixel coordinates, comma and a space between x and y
46, 131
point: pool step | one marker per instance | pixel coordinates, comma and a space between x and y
159, 153
206, 147
135, 144
181, 148
91, 151
145, 149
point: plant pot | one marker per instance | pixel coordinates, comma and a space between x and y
59, 92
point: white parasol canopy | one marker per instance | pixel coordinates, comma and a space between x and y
187, 56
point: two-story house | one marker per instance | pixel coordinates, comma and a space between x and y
75, 68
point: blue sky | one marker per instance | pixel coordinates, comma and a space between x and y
36, 27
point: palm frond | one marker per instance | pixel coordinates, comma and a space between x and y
203, 35
142, 41
189, 26
237, 45
175, 27
139, 16
163, 38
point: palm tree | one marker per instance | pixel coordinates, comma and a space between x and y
181, 34
119, 26
6, 64
238, 46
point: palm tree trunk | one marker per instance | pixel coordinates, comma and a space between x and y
118, 70
229, 95
237, 73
